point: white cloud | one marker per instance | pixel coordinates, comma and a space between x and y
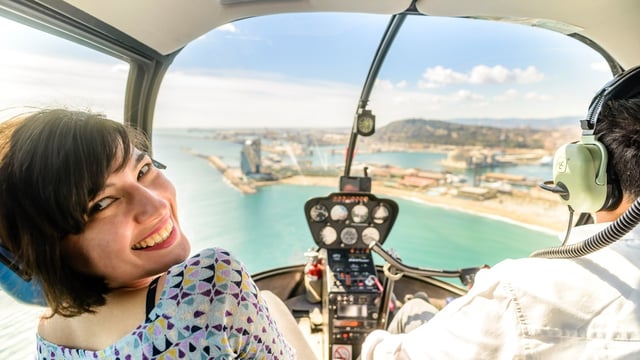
536, 96
229, 27
465, 95
31, 80
507, 95
253, 99
120, 68
440, 76
528, 75
512, 95
386, 84
8, 27
601, 66
394, 104
482, 74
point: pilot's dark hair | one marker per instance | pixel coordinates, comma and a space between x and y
619, 131
52, 164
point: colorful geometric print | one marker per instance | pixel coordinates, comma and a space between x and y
209, 309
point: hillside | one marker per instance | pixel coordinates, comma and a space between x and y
543, 124
449, 133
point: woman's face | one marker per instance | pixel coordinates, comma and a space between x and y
132, 232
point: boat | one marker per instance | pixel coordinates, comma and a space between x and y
338, 291
546, 160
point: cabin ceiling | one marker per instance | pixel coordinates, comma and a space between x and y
168, 25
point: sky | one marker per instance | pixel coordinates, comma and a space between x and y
293, 70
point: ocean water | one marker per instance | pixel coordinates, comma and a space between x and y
268, 229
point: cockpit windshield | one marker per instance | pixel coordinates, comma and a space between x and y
464, 120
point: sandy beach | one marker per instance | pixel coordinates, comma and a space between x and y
534, 208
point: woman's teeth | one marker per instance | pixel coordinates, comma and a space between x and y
156, 238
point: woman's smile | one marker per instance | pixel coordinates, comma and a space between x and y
158, 238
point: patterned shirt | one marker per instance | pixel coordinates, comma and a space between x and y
209, 309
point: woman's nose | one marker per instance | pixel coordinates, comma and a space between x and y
147, 203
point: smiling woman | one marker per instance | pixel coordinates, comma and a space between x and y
86, 212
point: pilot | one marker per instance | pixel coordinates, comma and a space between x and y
564, 307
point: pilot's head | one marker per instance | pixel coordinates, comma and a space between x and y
600, 172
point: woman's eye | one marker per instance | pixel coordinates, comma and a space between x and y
101, 205
144, 170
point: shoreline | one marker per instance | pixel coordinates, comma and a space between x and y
534, 209
539, 213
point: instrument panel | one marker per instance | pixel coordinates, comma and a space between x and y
350, 220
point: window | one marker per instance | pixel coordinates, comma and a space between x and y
39, 70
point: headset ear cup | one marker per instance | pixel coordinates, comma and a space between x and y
581, 169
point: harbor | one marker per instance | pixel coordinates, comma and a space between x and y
509, 197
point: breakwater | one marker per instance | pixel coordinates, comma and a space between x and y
233, 176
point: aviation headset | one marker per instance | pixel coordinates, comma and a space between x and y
580, 173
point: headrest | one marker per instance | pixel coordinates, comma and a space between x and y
12, 282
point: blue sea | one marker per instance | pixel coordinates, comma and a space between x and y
268, 229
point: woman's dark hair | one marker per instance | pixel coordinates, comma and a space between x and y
52, 164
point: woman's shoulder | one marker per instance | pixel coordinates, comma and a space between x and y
211, 257
211, 265
211, 275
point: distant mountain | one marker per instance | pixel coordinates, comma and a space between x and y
450, 133
550, 123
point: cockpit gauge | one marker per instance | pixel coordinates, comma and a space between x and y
380, 214
349, 236
370, 235
319, 213
328, 235
349, 220
339, 212
359, 214
366, 123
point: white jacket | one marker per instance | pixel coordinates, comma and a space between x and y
533, 308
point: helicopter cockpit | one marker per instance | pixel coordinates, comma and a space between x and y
245, 130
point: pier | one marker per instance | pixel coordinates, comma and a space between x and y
232, 175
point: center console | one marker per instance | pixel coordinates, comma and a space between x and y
353, 296
343, 226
